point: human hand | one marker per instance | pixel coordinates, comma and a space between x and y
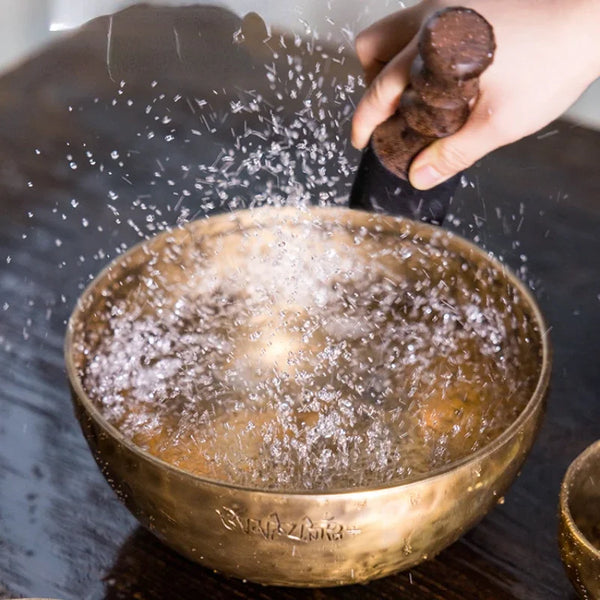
546, 55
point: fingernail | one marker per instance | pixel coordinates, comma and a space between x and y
425, 177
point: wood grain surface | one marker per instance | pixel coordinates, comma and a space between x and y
63, 533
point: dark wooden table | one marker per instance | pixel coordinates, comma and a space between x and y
67, 202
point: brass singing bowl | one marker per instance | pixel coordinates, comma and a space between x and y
579, 529
304, 537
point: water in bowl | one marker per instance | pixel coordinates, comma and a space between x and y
308, 357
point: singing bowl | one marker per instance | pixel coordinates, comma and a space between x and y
579, 525
303, 537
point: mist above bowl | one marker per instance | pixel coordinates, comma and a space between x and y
308, 397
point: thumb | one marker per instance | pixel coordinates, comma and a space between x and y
450, 155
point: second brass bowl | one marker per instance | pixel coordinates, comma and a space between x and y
579, 532
303, 537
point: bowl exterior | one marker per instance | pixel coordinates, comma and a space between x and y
580, 487
305, 539
583, 568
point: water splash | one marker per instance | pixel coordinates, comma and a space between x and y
307, 357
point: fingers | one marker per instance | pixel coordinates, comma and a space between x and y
383, 95
448, 156
379, 43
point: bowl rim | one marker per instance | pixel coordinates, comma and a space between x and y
417, 228
565, 496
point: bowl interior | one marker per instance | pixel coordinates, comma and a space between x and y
308, 350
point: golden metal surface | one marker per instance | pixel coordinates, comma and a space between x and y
579, 532
303, 538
